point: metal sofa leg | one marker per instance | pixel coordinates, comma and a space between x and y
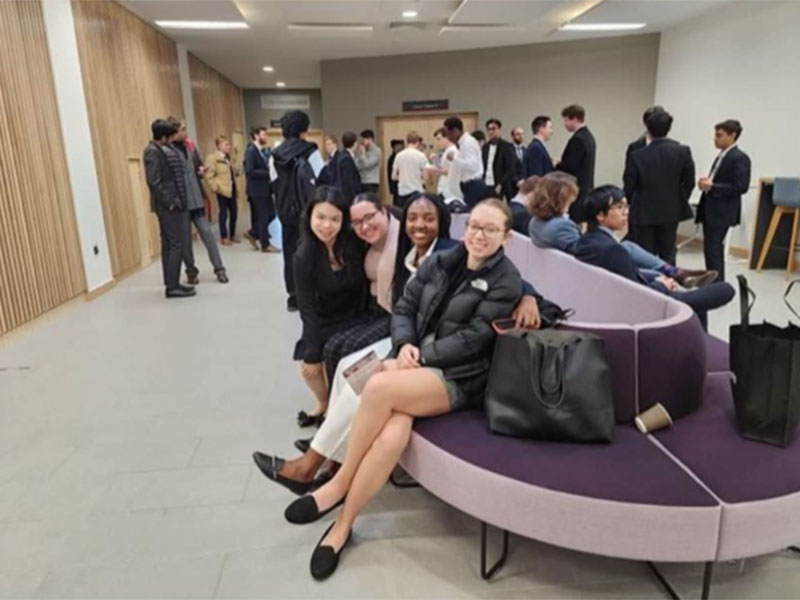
707, 575
488, 574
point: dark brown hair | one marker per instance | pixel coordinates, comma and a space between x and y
552, 194
574, 111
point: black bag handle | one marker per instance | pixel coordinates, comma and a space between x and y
786, 297
552, 360
744, 293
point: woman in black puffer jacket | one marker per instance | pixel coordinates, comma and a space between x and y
443, 340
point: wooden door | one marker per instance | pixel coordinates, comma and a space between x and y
397, 127
146, 223
237, 159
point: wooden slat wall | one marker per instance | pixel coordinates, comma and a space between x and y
217, 111
40, 260
130, 76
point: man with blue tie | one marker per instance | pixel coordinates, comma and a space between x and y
537, 160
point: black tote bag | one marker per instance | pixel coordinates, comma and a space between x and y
765, 360
551, 385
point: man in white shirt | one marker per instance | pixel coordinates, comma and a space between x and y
449, 180
409, 169
468, 160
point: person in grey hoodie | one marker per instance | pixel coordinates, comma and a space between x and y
368, 162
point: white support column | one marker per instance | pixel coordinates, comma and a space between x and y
186, 90
76, 135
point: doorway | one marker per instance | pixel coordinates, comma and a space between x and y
396, 127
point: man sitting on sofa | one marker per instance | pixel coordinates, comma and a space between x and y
606, 211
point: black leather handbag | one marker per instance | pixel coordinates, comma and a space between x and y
765, 360
551, 385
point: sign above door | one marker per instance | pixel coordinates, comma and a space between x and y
425, 105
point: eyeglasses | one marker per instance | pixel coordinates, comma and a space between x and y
486, 230
366, 220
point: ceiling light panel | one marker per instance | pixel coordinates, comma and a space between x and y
204, 25
595, 27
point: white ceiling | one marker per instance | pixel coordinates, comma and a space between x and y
296, 55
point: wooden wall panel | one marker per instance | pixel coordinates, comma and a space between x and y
40, 260
218, 110
130, 76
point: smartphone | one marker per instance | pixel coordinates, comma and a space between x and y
502, 326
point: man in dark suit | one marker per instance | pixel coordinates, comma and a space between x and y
579, 157
397, 147
659, 179
259, 189
641, 142
347, 178
721, 202
170, 208
536, 160
499, 162
607, 215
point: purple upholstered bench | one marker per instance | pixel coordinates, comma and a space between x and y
697, 492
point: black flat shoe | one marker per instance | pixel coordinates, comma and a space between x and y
325, 559
270, 465
321, 480
304, 445
306, 420
304, 510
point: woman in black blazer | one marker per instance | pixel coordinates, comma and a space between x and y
443, 339
331, 286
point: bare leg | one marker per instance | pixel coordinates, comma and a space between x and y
417, 393
303, 468
372, 474
318, 384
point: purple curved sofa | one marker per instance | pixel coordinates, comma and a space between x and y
696, 492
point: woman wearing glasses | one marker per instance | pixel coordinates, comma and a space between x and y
443, 339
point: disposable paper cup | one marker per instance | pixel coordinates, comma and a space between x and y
654, 418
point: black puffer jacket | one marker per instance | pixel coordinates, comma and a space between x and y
464, 335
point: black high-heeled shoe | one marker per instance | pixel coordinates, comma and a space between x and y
306, 420
304, 510
270, 465
325, 559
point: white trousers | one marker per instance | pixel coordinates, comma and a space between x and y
331, 439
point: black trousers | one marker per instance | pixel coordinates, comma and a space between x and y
228, 210
659, 240
705, 299
290, 235
474, 191
264, 213
172, 225
714, 249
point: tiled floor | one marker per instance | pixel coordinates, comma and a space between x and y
125, 472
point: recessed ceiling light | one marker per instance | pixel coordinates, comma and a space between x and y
203, 24
601, 26
410, 14
281, 84
329, 27
268, 68
478, 28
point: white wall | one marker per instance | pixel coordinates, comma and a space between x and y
738, 61
77, 138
